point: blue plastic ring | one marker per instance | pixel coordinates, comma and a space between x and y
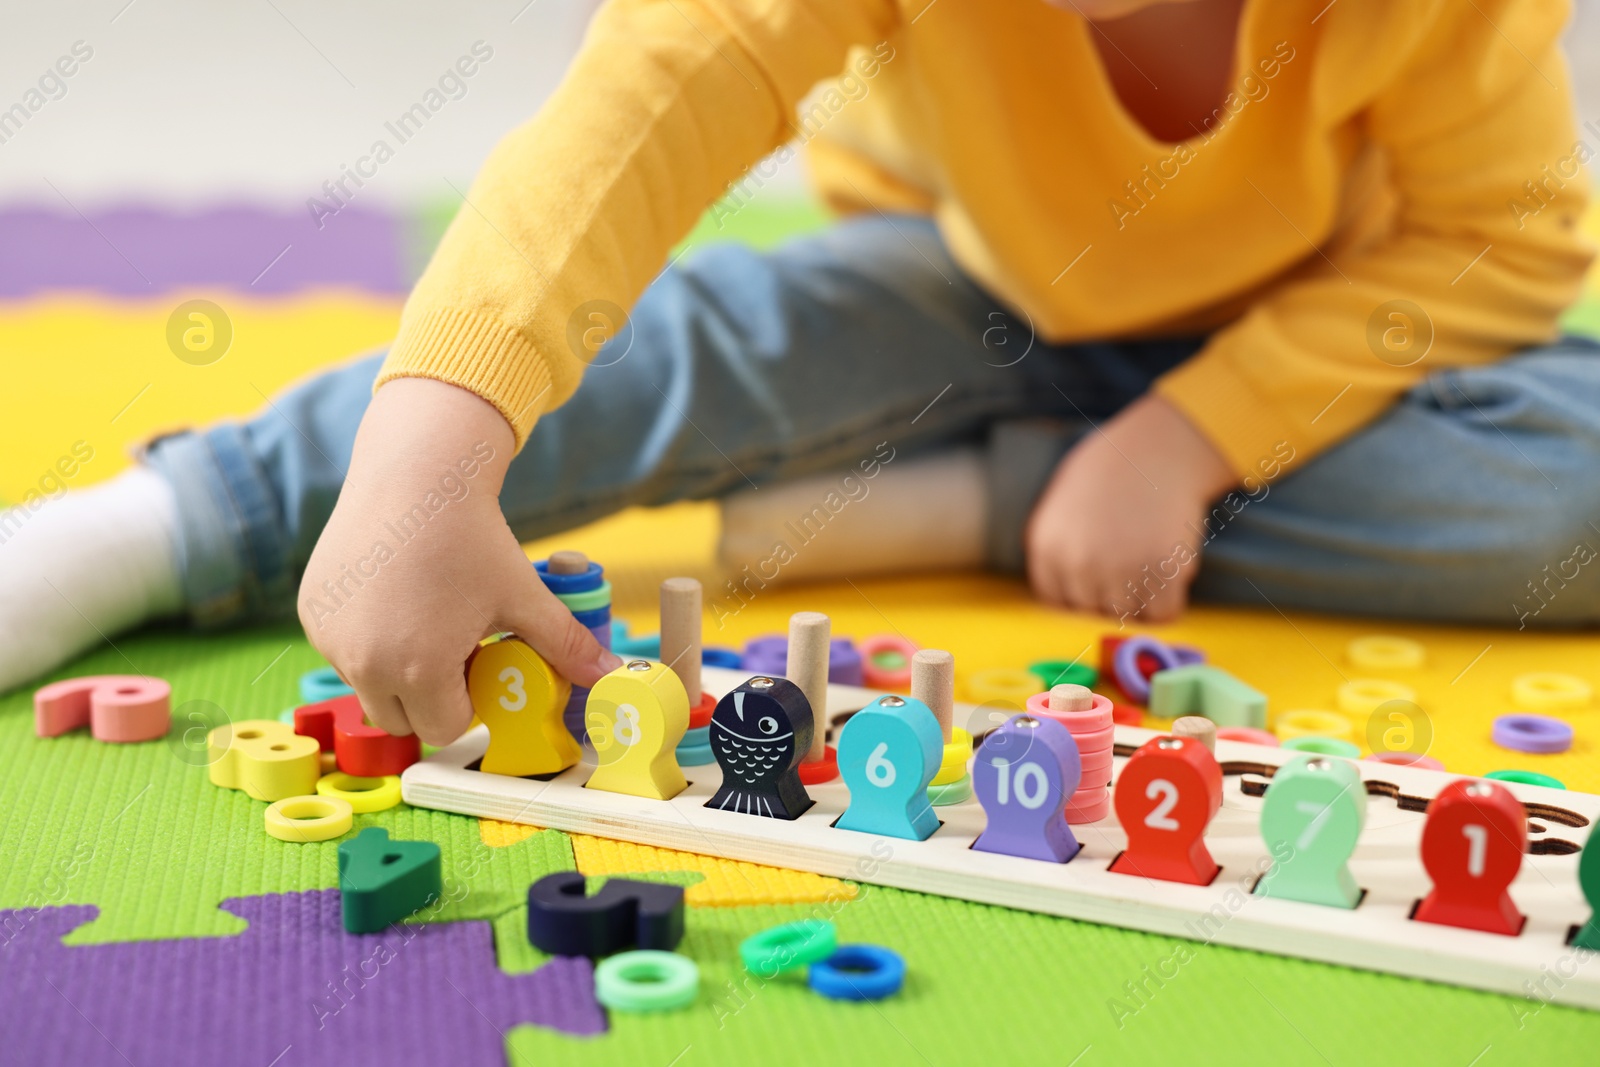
712, 656
694, 755
593, 619
322, 684
570, 583
859, 972
645, 646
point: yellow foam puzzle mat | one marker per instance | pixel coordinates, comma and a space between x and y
94, 375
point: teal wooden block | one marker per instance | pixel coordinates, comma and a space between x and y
383, 881
1201, 689
888, 753
1311, 819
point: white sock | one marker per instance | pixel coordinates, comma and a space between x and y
916, 515
82, 568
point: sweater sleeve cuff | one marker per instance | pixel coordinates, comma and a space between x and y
1248, 427
478, 354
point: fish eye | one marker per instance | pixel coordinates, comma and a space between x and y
768, 724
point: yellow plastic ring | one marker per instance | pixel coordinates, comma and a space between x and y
1550, 691
362, 794
1381, 652
956, 755
1363, 696
1003, 684
1313, 723
301, 820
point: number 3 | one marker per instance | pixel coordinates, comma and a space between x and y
516, 697
1160, 817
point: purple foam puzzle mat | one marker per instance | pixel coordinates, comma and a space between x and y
143, 252
291, 991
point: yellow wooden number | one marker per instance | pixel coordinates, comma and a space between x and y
520, 697
635, 717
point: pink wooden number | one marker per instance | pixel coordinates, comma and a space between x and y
115, 707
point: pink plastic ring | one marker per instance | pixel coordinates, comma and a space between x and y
1097, 717
1406, 759
1248, 735
887, 674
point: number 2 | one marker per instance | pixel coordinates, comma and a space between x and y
1160, 817
1477, 842
516, 697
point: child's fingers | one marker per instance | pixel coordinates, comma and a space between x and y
383, 708
544, 622
437, 705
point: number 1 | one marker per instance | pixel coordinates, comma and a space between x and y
1477, 843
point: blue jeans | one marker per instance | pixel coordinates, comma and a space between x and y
1474, 499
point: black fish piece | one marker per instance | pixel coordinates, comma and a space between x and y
759, 733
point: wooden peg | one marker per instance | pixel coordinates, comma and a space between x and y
1198, 727
933, 682
635, 718
809, 636
568, 562
1071, 698
680, 632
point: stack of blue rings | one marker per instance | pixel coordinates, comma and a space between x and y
588, 597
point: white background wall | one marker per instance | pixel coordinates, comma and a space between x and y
193, 101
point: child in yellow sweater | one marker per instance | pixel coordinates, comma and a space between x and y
1257, 293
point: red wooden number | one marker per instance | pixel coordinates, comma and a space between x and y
1165, 798
1472, 846
340, 727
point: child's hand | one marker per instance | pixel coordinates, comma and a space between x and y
417, 564
1129, 496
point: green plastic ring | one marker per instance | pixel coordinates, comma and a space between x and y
587, 601
646, 980
783, 948
1064, 672
953, 793
1527, 778
1322, 746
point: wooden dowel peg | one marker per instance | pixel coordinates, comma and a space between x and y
680, 632
1198, 727
1071, 698
567, 562
933, 681
807, 668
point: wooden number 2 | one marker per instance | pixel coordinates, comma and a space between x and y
1160, 817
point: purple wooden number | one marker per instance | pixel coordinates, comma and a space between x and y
1023, 775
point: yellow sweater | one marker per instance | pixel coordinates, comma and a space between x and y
1391, 187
